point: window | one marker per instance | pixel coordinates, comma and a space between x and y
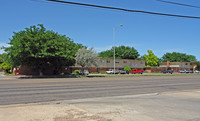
134, 65
190, 63
125, 61
186, 64
108, 61
102, 61
116, 61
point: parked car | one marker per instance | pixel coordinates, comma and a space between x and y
185, 71
137, 71
189, 71
122, 72
112, 71
84, 72
182, 71
196, 71
168, 71
127, 72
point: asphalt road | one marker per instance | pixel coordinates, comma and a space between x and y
22, 91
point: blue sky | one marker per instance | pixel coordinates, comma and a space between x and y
93, 27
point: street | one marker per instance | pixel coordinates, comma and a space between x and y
23, 91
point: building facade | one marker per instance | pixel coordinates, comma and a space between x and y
180, 65
106, 64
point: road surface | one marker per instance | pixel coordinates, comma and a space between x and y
22, 91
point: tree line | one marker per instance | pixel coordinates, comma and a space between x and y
40, 48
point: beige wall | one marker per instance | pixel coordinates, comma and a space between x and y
119, 63
183, 65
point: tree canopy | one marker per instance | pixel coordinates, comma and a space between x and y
178, 57
121, 52
3, 57
86, 58
151, 58
197, 63
40, 48
5, 66
127, 68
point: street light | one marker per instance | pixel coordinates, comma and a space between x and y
114, 30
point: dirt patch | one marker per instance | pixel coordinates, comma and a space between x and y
79, 115
46, 112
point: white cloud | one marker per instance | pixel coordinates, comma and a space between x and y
3, 45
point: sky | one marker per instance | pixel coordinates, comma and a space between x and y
93, 27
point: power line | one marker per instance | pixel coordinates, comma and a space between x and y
122, 9
178, 4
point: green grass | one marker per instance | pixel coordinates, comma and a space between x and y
94, 73
156, 72
134, 75
9, 73
110, 75
103, 72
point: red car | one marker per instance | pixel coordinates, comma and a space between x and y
137, 71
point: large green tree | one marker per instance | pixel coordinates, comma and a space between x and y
3, 57
197, 63
40, 48
121, 52
178, 57
151, 58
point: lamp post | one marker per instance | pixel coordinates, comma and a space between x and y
114, 30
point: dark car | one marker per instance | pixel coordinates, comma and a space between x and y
122, 71
168, 71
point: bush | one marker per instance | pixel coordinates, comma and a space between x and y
103, 72
127, 68
77, 71
5, 66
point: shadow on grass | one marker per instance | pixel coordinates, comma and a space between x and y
93, 76
60, 76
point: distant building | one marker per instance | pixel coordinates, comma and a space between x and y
105, 64
180, 65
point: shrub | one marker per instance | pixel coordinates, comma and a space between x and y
5, 66
77, 71
127, 68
